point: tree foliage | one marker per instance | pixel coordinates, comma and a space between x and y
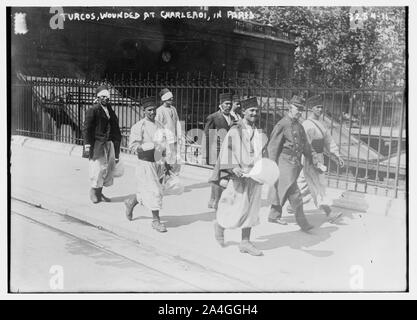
343, 46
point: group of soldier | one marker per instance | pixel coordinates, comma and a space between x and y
293, 146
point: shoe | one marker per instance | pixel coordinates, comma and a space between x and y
210, 204
93, 195
159, 226
219, 234
290, 210
130, 203
333, 216
326, 209
247, 247
276, 211
307, 228
278, 220
101, 196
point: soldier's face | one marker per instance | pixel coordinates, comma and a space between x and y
293, 112
317, 111
226, 107
251, 114
150, 113
236, 106
170, 101
104, 100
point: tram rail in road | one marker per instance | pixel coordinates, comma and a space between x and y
173, 274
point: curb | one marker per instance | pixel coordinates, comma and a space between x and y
371, 204
188, 171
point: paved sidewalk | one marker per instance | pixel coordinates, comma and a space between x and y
328, 259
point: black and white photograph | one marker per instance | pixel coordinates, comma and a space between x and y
208, 149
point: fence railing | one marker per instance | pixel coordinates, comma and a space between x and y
368, 125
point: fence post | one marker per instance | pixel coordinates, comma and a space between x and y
79, 113
397, 171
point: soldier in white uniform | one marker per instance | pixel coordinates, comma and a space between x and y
167, 115
240, 150
147, 139
312, 180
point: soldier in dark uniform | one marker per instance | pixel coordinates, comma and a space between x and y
288, 142
102, 138
217, 126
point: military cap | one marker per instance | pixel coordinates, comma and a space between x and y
249, 103
223, 97
236, 98
297, 101
314, 101
148, 102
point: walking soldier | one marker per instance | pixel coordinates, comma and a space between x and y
287, 143
101, 143
217, 126
312, 179
240, 203
147, 139
167, 115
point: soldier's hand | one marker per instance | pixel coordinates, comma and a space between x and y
341, 162
86, 151
238, 172
139, 149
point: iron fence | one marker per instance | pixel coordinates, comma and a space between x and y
368, 125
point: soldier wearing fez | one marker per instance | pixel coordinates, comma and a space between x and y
102, 138
287, 143
236, 111
217, 126
148, 141
241, 202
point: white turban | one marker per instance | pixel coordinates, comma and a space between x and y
103, 93
167, 96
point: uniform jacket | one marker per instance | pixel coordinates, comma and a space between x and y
321, 141
168, 116
216, 121
287, 143
241, 148
240, 203
98, 129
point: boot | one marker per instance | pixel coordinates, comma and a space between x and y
275, 215
302, 220
93, 195
212, 197
217, 195
333, 216
101, 196
159, 226
130, 203
219, 234
210, 204
290, 210
247, 247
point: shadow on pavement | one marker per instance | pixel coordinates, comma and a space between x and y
120, 198
200, 185
177, 221
297, 240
